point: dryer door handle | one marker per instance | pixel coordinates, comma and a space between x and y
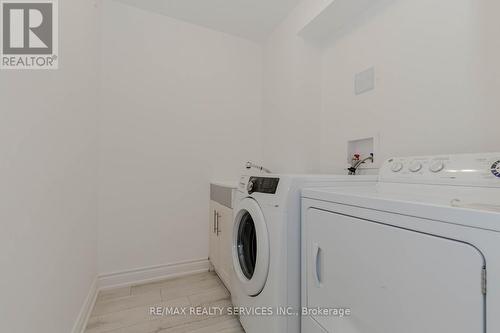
317, 252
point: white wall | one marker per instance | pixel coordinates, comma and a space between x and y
48, 196
436, 88
181, 106
292, 95
490, 26
431, 93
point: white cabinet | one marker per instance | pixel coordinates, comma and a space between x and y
221, 232
214, 237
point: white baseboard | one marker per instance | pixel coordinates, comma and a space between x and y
151, 274
86, 310
135, 276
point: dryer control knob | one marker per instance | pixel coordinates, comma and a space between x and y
437, 166
397, 166
415, 166
495, 169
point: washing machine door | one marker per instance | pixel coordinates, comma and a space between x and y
250, 247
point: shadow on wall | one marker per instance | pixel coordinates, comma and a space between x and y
340, 18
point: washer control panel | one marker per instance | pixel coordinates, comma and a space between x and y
250, 184
464, 169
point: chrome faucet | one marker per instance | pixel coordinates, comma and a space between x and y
357, 163
250, 165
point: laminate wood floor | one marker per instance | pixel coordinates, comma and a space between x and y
129, 309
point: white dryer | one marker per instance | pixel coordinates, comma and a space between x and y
416, 252
266, 248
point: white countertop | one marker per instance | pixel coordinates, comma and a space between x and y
225, 183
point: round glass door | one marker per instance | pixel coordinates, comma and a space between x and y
247, 245
250, 247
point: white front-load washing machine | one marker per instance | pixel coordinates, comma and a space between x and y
266, 248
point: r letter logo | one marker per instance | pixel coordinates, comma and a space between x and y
29, 34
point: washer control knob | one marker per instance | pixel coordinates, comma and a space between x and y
415, 166
250, 186
397, 166
437, 166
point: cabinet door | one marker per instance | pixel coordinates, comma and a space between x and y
393, 280
225, 244
213, 239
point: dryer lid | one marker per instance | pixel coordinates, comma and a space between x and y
469, 206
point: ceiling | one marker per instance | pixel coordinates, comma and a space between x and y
251, 19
